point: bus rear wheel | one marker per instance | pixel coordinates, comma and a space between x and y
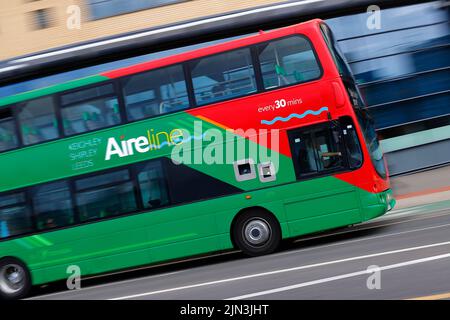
256, 232
15, 279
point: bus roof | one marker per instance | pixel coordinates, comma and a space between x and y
211, 50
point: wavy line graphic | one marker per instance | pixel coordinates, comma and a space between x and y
295, 115
193, 137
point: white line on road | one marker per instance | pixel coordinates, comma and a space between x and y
402, 212
355, 240
340, 277
83, 290
203, 284
282, 253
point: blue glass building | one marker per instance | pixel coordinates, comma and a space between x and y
403, 70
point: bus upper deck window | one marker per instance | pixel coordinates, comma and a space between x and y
90, 109
223, 76
288, 61
37, 120
155, 92
8, 137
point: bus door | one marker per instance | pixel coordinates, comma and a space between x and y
319, 152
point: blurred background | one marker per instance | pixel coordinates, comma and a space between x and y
403, 68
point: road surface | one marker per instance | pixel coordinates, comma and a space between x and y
410, 248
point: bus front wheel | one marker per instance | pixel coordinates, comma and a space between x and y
15, 279
256, 232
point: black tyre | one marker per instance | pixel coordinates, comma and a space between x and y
256, 232
15, 279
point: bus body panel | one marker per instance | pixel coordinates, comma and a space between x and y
178, 231
183, 231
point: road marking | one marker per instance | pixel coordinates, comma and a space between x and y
372, 224
82, 290
340, 277
433, 297
135, 279
274, 255
401, 212
263, 274
356, 240
439, 205
422, 193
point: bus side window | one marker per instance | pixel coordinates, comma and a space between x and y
352, 145
90, 109
287, 61
52, 205
105, 195
155, 92
15, 217
152, 185
37, 120
223, 76
8, 137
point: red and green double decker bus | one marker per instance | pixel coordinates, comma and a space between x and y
238, 145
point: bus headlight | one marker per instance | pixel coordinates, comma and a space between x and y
389, 199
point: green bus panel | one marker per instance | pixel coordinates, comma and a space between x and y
86, 154
181, 231
174, 232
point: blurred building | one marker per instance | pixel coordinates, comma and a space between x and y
403, 71
28, 26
